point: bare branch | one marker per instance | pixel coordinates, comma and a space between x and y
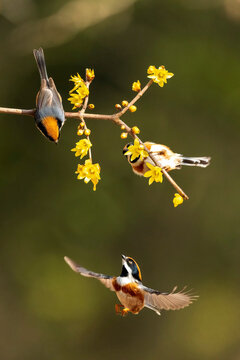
17, 111
75, 115
135, 99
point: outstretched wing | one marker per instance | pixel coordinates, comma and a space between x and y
105, 279
156, 300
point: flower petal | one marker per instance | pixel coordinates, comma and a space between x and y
151, 180
148, 173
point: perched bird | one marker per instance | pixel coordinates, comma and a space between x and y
166, 157
132, 294
49, 115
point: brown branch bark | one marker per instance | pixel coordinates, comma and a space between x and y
4, 110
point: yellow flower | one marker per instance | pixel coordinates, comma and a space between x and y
177, 200
81, 172
159, 75
83, 90
82, 147
90, 74
88, 172
136, 86
78, 81
77, 99
136, 150
154, 174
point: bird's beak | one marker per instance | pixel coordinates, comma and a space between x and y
123, 259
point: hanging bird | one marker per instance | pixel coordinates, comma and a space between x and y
166, 157
132, 294
49, 116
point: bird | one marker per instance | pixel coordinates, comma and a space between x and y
49, 115
165, 156
132, 294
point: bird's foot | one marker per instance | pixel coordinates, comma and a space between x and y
121, 310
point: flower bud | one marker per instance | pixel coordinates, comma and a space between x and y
87, 132
124, 135
132, 108
135, 130
90, 74
124, 103
80, 132
136, 86
118, 107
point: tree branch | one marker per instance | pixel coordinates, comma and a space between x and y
114, 118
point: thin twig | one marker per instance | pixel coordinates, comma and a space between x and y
75, 115
135, 99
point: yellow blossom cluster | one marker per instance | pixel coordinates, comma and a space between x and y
159, 75
81, 91
89, 172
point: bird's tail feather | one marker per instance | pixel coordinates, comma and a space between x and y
40, 60
195, 161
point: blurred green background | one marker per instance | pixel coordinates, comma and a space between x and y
47, 311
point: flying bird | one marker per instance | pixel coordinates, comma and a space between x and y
132, 294
166, 157
49, 116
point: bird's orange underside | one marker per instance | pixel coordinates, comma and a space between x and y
51, 126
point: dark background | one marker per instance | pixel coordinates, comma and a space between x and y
48, 312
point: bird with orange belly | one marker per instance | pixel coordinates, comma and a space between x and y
49, 116
166, 157
132, 294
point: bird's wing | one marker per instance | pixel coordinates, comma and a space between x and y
44, 96
57, 99
156, 148
105, 279
156, 300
